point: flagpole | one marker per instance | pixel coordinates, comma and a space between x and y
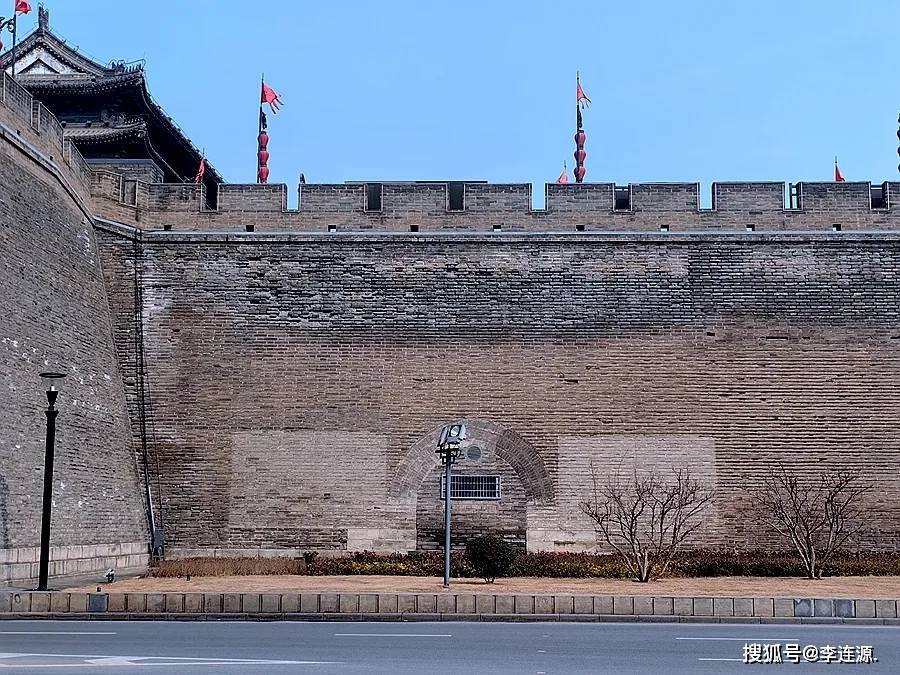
14, 26
577, 116
262, 148
262, 81
580, 136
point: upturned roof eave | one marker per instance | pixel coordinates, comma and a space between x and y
98, 79
82, 136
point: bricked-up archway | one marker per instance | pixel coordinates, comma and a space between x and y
509, 447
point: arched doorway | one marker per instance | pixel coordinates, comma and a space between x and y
500, 476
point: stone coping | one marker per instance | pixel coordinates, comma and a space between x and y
602, 237
442, 606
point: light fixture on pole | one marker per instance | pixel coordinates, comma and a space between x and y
449, 447
47, 503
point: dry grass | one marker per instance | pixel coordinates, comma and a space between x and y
838, 587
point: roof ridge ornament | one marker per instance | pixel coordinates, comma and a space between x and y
123, 66
43, 17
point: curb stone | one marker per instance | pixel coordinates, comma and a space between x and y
507, 607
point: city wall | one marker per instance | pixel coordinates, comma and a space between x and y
299, 380
299, 363
54, 315
483, 207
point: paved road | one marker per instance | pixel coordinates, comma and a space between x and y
417, 647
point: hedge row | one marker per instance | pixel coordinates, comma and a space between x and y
693, 563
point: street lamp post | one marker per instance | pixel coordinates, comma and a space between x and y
47, 503
449, 448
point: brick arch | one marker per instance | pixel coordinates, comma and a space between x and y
509, 446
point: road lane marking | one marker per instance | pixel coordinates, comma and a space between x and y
186, 659
53, 632
132, 664
442, 635
740, 639
712, 659
107, 660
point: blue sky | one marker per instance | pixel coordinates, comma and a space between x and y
406, 90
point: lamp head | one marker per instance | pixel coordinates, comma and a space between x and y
452, 435
50, 378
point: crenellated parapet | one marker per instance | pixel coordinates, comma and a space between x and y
443, 206
26, 122
479, 206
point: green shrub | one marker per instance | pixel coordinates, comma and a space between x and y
563, 564
688, 563
490, 556
414, 564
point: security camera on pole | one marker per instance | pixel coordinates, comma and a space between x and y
449, 447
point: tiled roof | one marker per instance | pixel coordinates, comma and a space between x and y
85, 77
84, 135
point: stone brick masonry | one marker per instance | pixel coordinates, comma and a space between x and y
54, 315
424, 207
297, 377
298, 380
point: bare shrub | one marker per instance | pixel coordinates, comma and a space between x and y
646, 518
818, 515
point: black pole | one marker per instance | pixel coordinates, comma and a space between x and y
15, 18
47, 503
448, 477
262, 83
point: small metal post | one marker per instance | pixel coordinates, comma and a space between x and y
448, 475
47, 502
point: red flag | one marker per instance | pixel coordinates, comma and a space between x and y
580, 97
201, 170
563, 177
23, 6
838, 176
271, 97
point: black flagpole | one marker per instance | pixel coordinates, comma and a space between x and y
262, 82
14, 26
579, 134
577, 104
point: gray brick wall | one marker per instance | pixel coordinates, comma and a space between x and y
145, 170
55, 316
731, 352
297, 381
587, 206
